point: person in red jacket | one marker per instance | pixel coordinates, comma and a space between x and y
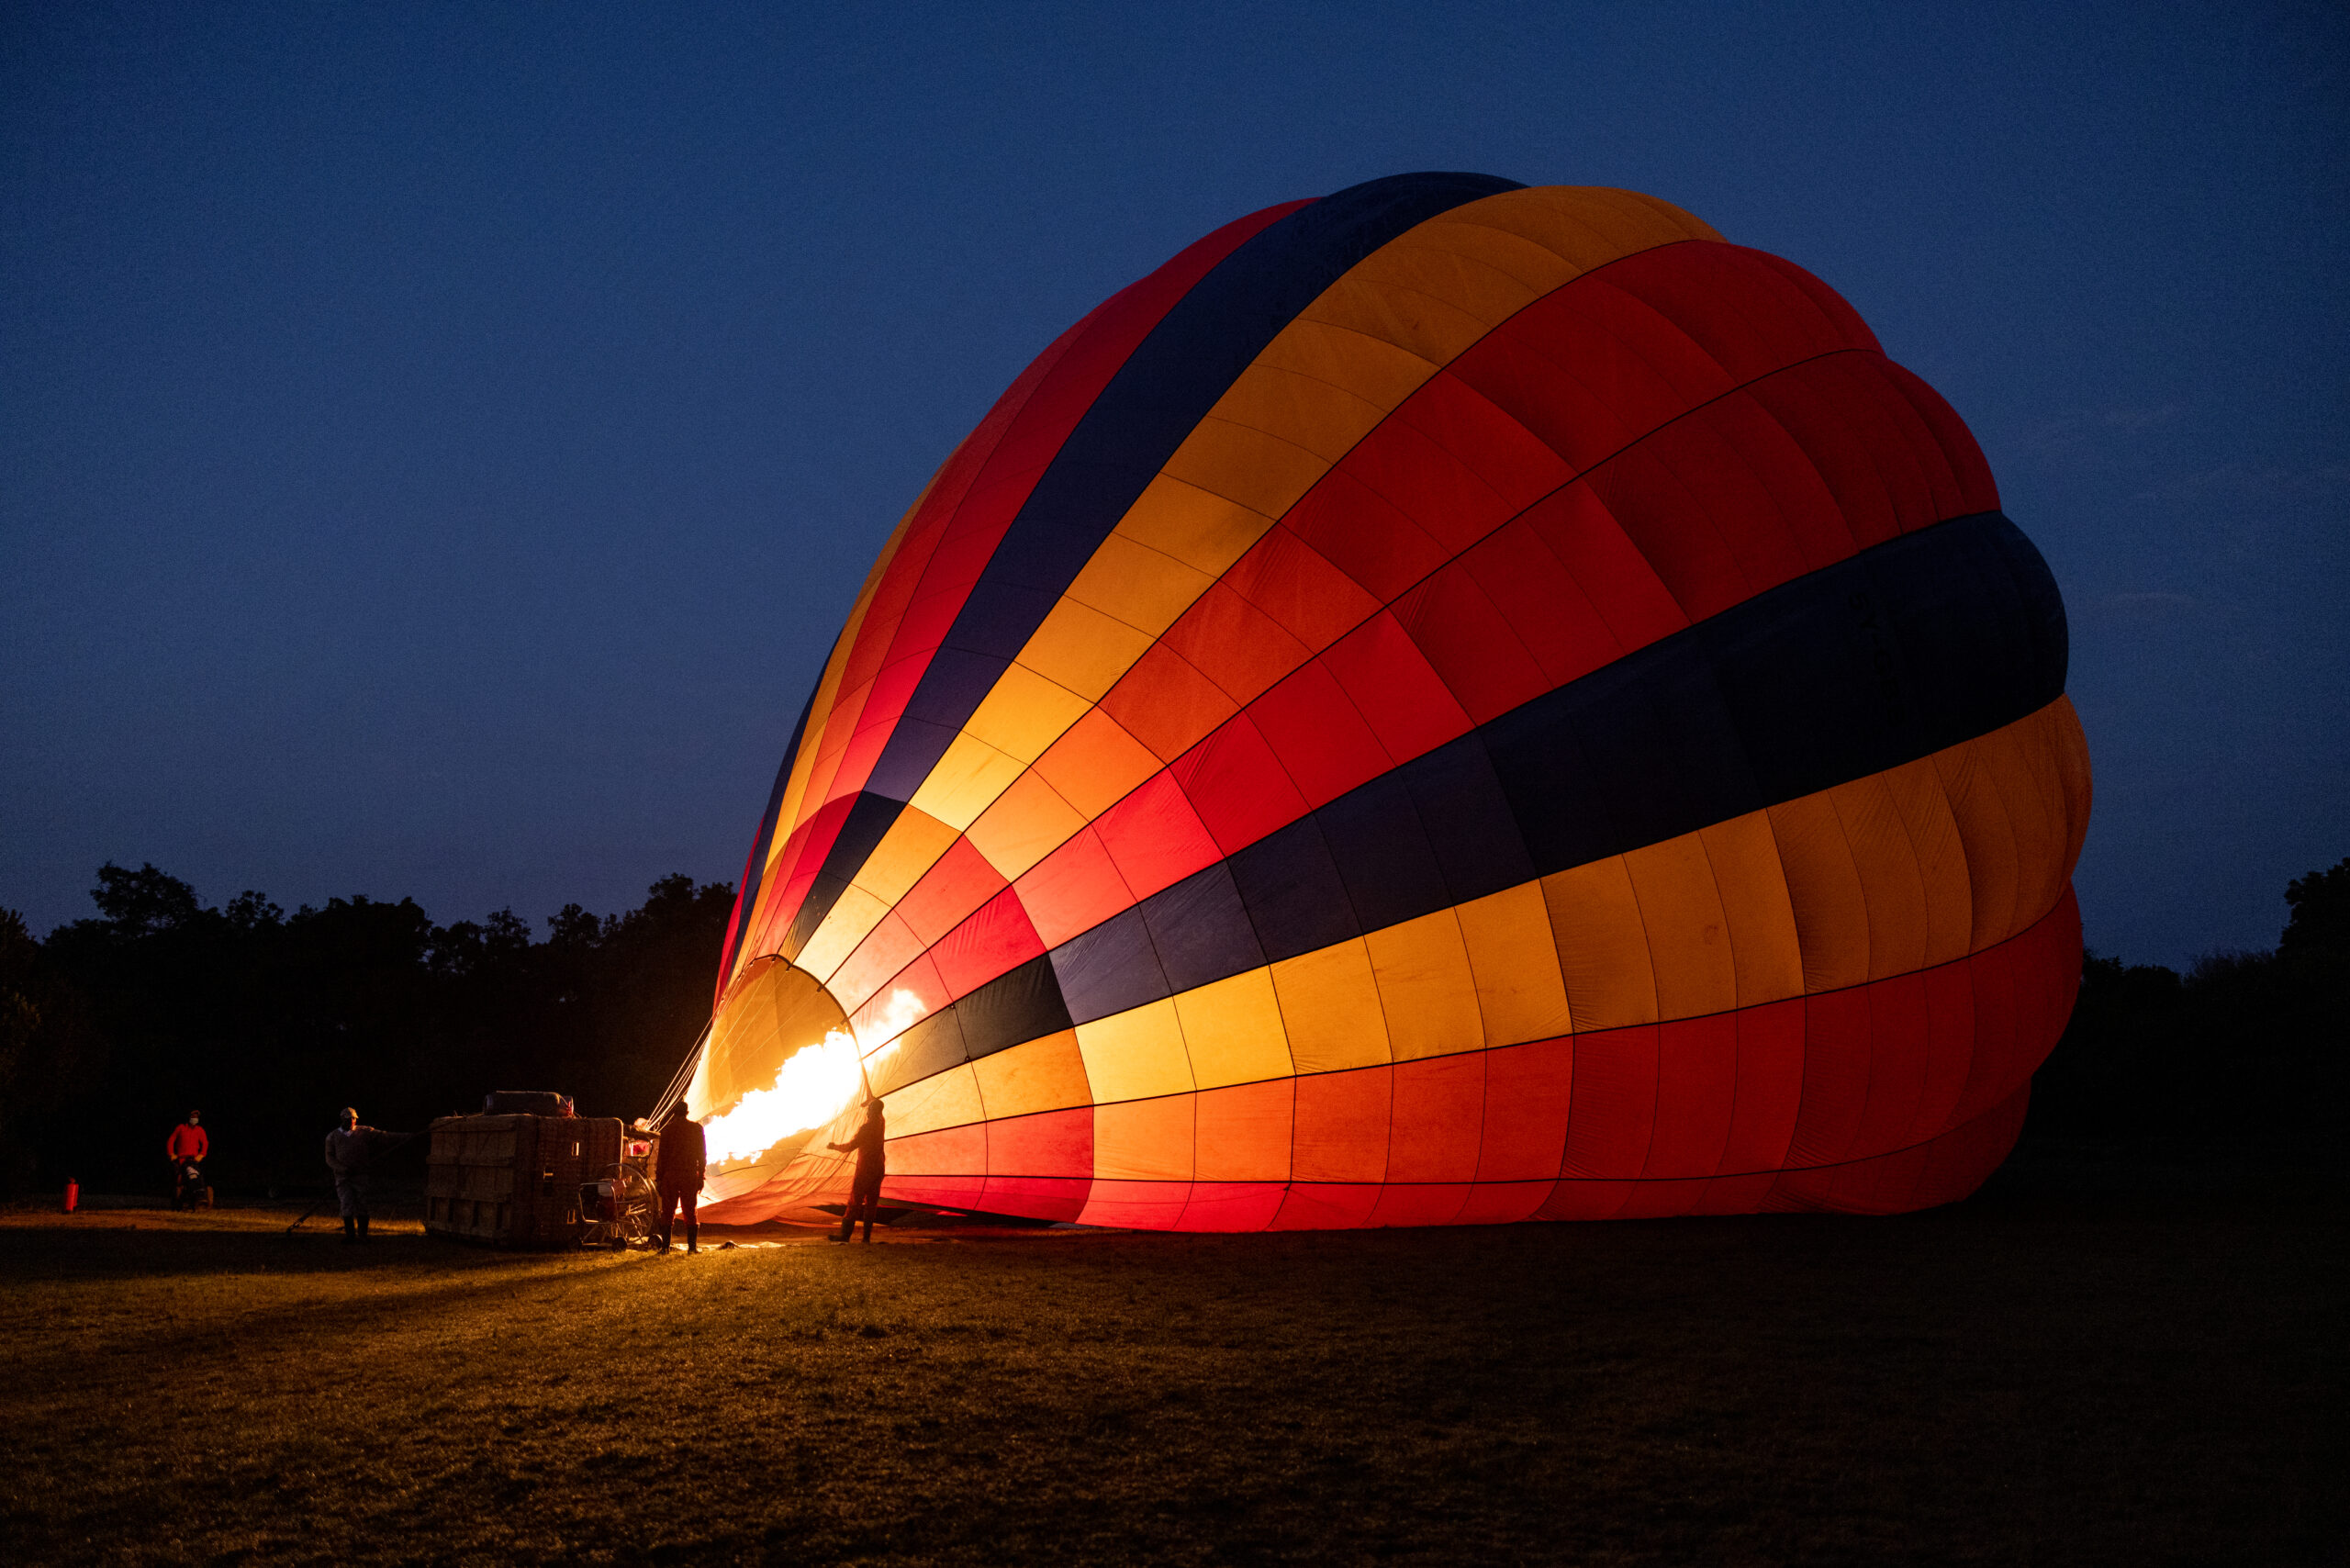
185, 1148
677, 1170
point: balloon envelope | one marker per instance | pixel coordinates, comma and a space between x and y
1449, 703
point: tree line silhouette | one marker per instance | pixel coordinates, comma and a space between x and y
116, 1026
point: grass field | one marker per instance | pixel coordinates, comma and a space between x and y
2069, 1368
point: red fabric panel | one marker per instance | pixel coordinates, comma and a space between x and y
1342, 1125
1697, 1083
1395, 688
1034, 1197
1418, 1204
1759, 448
1232, 1205
1950, 1050
1648, 490
1144, 1206
1073, 889
1897, 1065
1503, 1202
950, 1151
1735, 1194
1438, 1119
1234, 644
946, 894
1770, 1086
1166, 702
921, 978
1454, 464
1585, 1198
1155, 839
1835, 1076
1299, 588
1051, 1143
1238, 786
1528, 1094
1629, 596
1668, 1199
1364, 534
999, 937
946, 1192
1940, 1171
888, 948
1322, 742
1977, 491
1578, 384
1749, 312
1326, 1206
1464, 638
1613, 1116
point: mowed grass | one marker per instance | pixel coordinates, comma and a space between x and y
2034, 1376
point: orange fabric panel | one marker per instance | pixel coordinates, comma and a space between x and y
1237, 646
1341, 1127
1330, 1007
1425, 987
950, 892
1603, 948
1529, 1092
1144, 1140
1095, 763
1514, 960
1300, 589
1688, 935
1027, 822
1046, 1074
891, 947
1437, 1123
1074, 889
1932, 833
1765, 954
1824, 889
1166, 703
1243, 1132
1891, 888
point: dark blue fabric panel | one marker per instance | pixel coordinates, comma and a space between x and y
1467, 820
1290, 887
1385, 860
1109, 968
930, 1047
870, 817
1201, 929
1169, 382
1024, 1003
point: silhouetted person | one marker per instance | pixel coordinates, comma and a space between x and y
350, 1149
677, 1170
865, 1188
185, 1148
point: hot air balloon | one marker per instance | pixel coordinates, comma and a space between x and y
1451, 702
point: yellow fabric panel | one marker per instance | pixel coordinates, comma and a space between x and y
1136, 584
1201, 529
1325, 417
1890, 886
1765, 955
1232, 1030
1260, 470
911, 846
1520, 993
967, 780
1027, 822
1024, 713
949, 1098
1435, 330
1689, 934
1097, 764
1603, 948
1584, 225
1136, 1054
1425, 987
1147, 1140
851, 918
1824, 886
1036, 1075
1084, 650
1371, 367
1924, 806
1330, 1007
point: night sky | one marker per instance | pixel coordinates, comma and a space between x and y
439, 444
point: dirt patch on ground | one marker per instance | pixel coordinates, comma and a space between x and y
2049, 1373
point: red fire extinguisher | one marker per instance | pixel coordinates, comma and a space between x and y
73, 1193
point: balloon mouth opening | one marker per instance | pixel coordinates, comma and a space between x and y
824, 1065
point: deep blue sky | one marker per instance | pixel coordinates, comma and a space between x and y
438, 443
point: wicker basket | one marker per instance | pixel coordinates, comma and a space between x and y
514, 1180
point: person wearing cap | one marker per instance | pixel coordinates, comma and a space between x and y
677, 1170
350, 1147
185, 1148
864, 1187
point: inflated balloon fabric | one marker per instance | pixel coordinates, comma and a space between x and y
1451, 702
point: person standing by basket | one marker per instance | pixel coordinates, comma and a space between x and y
186, 1148
678, 1171
865, 1188
350, 1150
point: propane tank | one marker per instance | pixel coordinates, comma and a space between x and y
73, 1193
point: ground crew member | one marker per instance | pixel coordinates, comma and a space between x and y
865, 1188
350, 1148
185, 1148
678, 1171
